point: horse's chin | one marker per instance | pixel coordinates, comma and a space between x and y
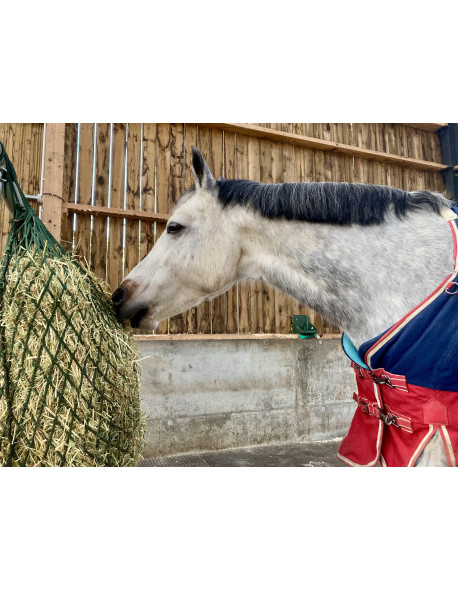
151, 324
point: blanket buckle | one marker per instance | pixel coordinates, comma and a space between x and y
388, 419
383, 380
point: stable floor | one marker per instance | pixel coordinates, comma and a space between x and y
309, 454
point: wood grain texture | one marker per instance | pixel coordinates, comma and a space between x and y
101, 196
115, 242
275, 134
132, 226
82, 235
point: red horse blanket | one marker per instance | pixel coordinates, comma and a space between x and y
407, 384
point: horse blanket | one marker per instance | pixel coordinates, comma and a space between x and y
407, 383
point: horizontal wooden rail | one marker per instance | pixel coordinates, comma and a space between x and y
169, 337
425, 126
115, 212
324, 145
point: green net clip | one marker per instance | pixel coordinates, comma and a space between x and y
301, 325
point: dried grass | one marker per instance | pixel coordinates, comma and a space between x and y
73, 370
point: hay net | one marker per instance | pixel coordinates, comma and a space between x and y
69, 378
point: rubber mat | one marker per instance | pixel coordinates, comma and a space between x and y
309, 454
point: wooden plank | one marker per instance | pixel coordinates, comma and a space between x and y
360, 165
436, 180
343, 164
84, 196
326, 133
375, 144
396, 146
115, 243
232, 325
176, 189
26, 154
148, 186
132, 227
415, 179
432, 127
219, 337
204, 310
116, 213
219, 304
52, 215
315, 143
163, 169
392, 172
69, 180
37, 152
53, 176
101, 196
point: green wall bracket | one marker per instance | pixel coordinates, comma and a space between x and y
300, 324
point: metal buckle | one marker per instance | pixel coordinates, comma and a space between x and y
388, 419
364, 407
383, 380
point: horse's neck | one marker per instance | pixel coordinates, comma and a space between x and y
361, 278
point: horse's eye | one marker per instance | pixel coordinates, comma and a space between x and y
174, 228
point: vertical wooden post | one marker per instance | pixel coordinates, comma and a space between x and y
53, 178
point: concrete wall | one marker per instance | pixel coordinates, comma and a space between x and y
206, 394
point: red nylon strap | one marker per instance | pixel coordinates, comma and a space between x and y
372, 409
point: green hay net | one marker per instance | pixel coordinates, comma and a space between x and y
69, 378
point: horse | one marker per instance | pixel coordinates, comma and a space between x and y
360, 255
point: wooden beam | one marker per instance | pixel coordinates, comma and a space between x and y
98, 211
321, 144
426, 126
53, 178
52, 214
169, 337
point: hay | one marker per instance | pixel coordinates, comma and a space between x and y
71, 393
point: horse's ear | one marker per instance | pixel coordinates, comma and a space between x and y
201, 171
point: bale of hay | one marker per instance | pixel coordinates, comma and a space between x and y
69, 375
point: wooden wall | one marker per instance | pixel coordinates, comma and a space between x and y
24, 145
146, 167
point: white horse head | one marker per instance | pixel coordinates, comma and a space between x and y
196, 258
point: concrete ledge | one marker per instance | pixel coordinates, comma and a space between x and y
210, 394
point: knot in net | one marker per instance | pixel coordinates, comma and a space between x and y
69, 376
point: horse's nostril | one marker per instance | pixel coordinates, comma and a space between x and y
119, 296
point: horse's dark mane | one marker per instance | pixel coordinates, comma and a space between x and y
328, 202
